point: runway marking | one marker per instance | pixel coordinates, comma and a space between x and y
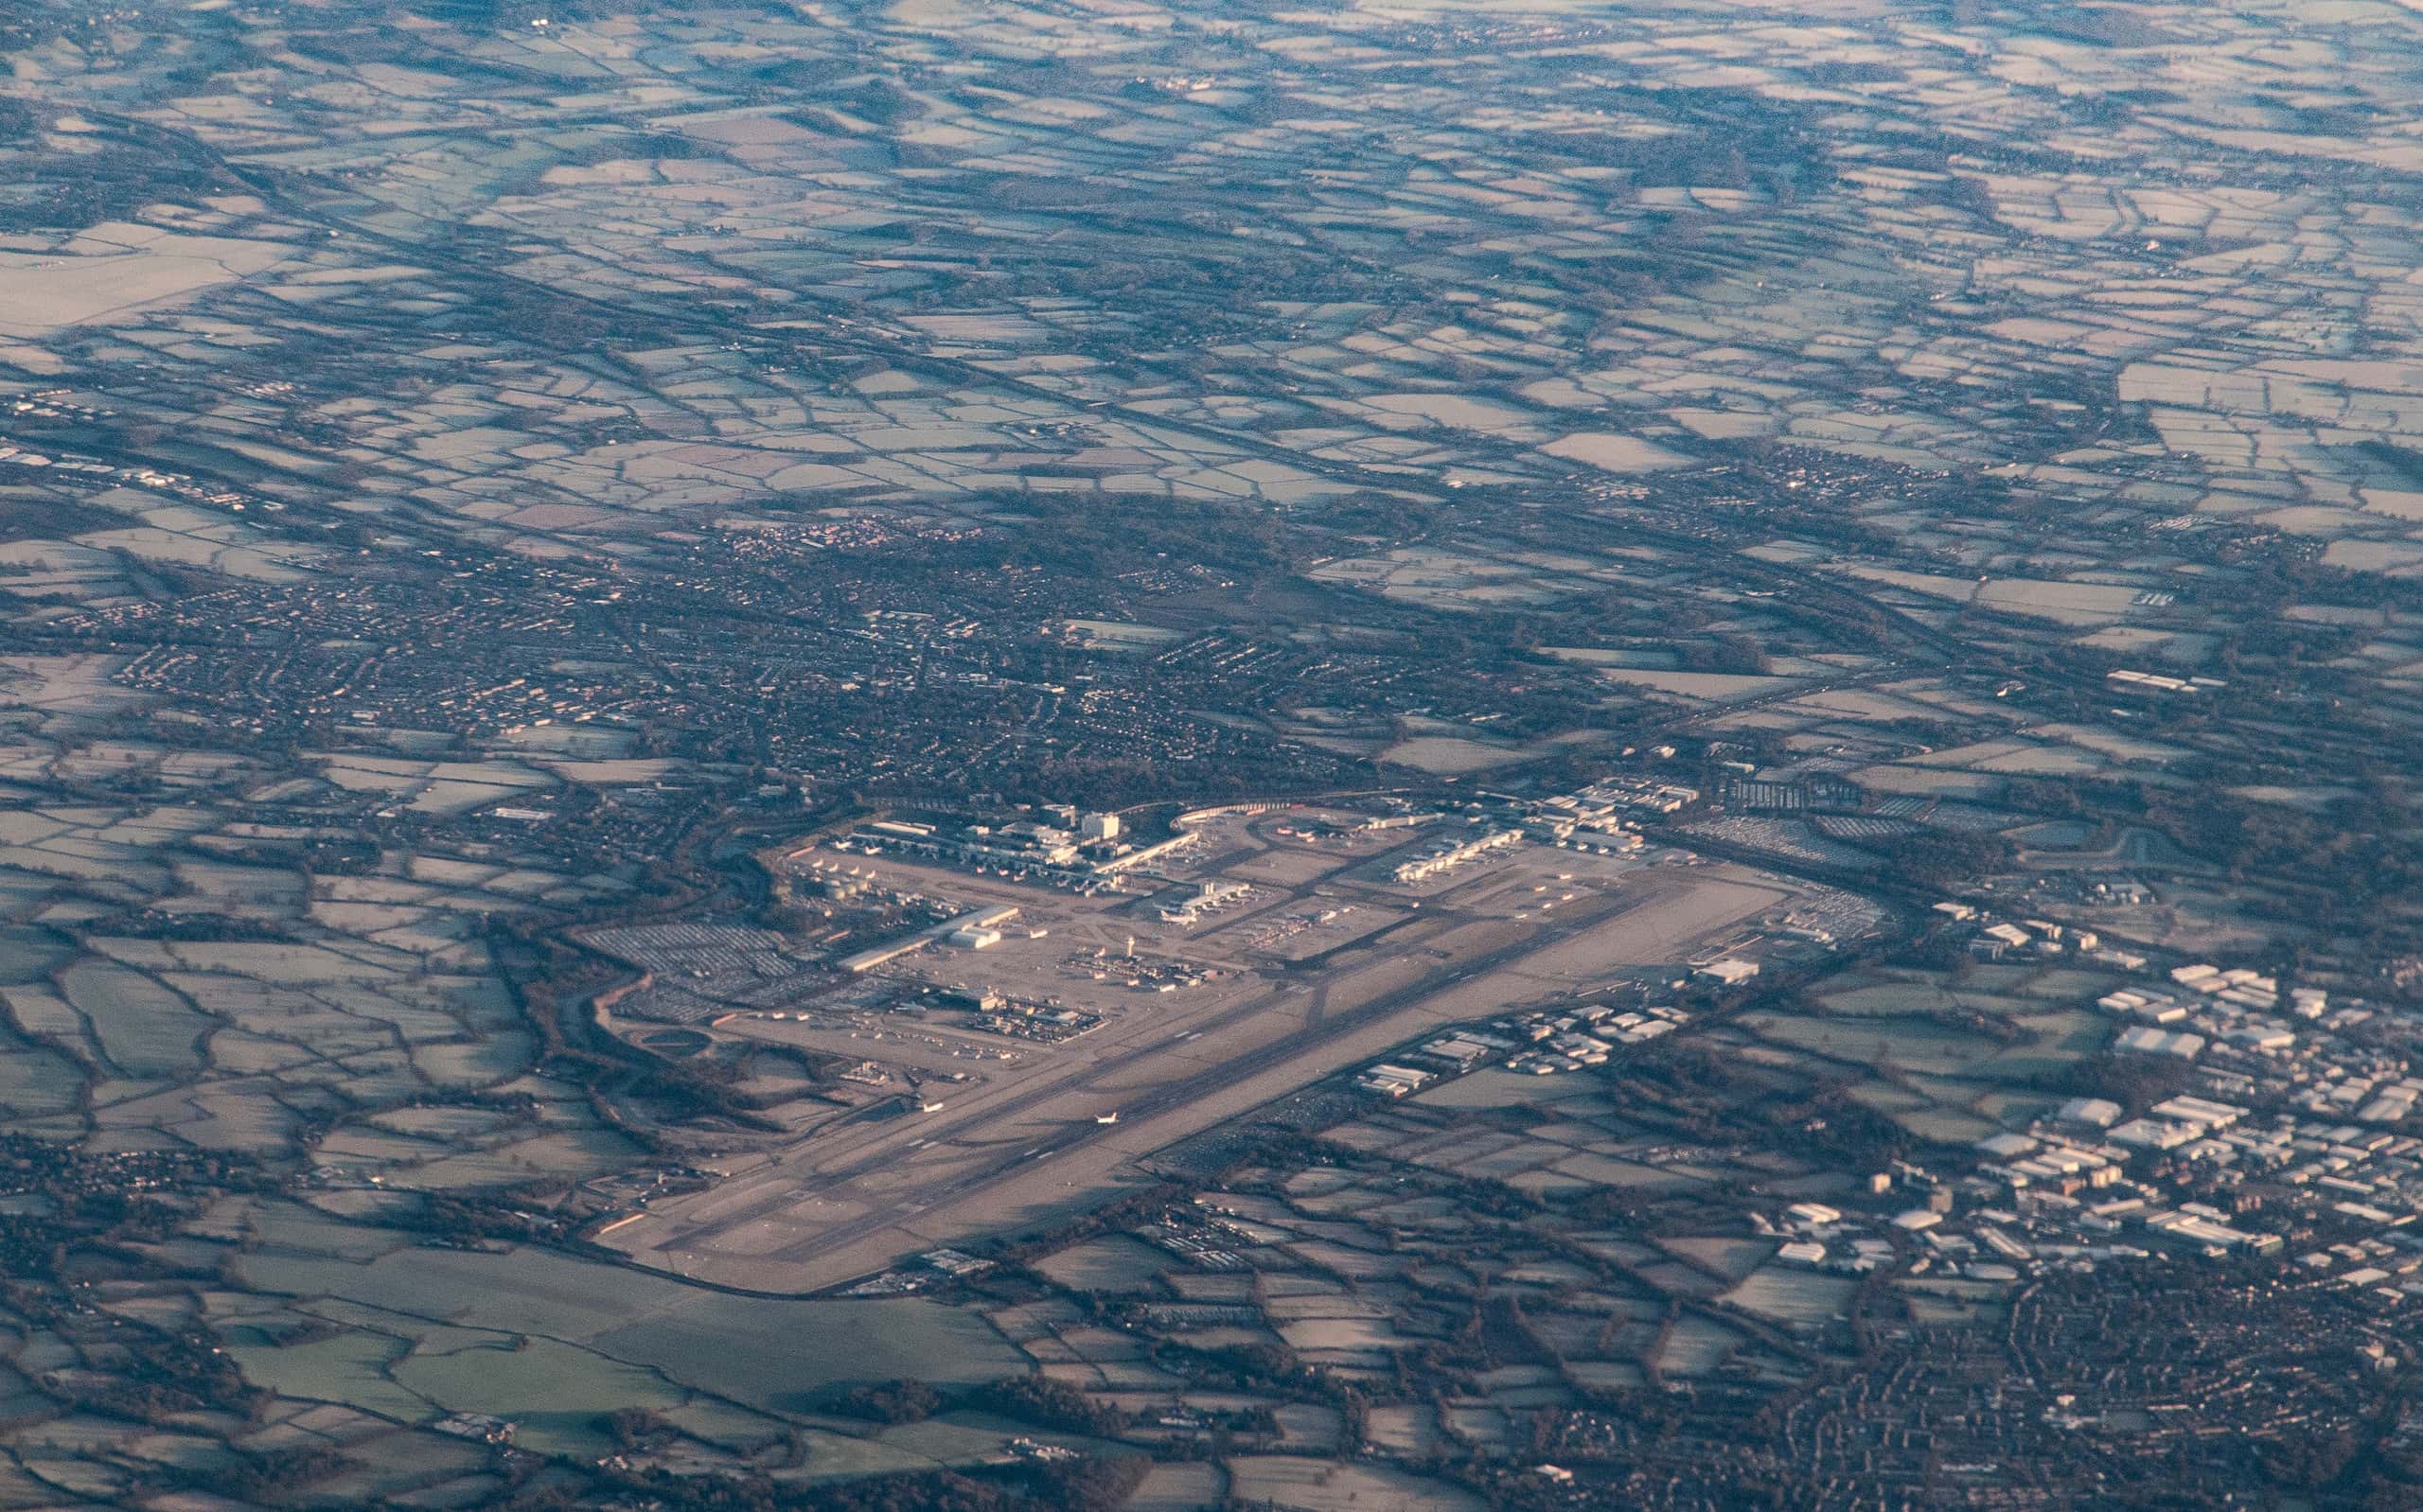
1187, 1089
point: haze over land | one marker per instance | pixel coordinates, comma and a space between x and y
1101, 754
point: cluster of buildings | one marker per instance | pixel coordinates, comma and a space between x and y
479, 1427
1450, 852
1049, 1023
2290, 1141
1595, 818
1208, 896
1591, 819
998, 1012
1960, 1228
1151, 974
1726, 971
2128, 681
979, 930
1087, 852
1639, 795
144, 477
1817, 1234
2145, 1176
2322, 1157
1543, 1042
1993, 939
1586, 1036
929, 1269
1385, 1081
1913, 1206
2245, 1033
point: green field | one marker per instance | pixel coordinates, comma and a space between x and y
629, 1335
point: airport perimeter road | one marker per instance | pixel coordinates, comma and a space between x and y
857, 1199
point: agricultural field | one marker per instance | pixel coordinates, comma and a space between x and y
1906, 515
